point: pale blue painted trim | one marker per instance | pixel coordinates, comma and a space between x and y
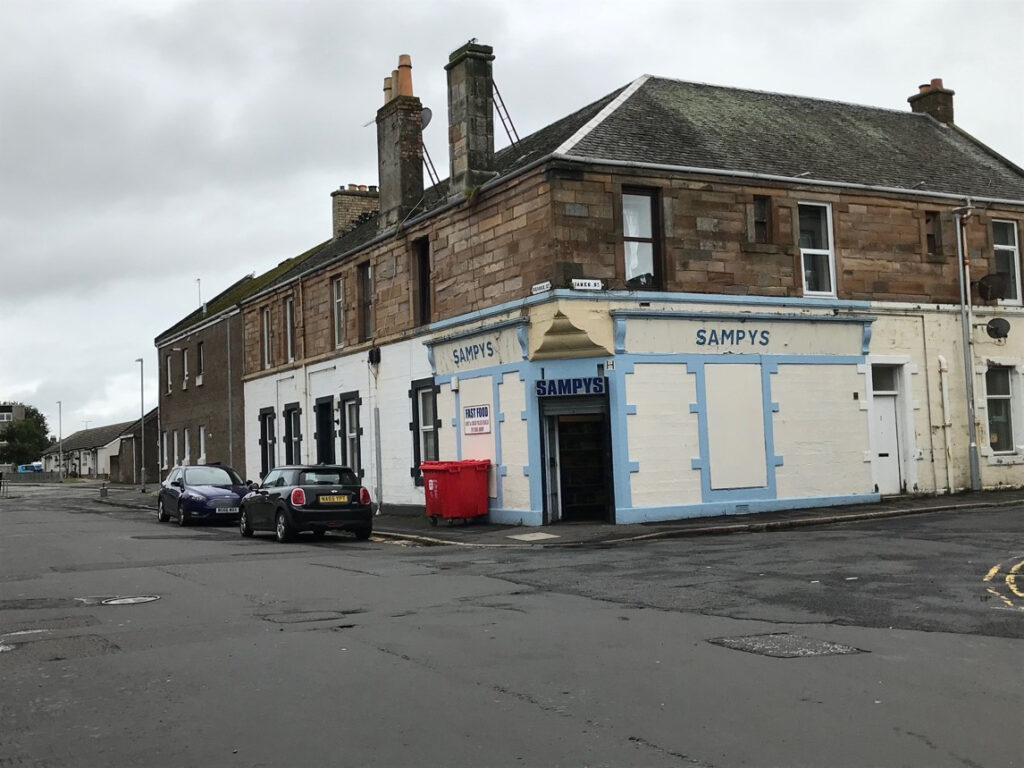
619, 326
478, 331
688, 511
631, 409
865, 342
640, 296
736, 317
523, 336
455, 425
618, 424
500, 516
500, 470
634, 466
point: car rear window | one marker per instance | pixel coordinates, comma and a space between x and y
328, 476
211, 476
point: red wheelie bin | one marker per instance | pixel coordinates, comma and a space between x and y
455, 490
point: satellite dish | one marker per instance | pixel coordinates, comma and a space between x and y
993, 286
997, 328
427, 115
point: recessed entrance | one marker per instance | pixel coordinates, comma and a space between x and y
577, 460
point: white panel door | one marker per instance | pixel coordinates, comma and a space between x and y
735, 419
885, 464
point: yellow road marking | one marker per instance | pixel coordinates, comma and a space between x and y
1006, 600
1011, 579
992, 572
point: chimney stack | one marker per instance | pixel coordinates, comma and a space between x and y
399, 147
470, 117
350, 205
934, 100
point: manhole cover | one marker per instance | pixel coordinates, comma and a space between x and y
784, 645
131, 600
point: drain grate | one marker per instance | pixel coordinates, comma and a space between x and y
784, 645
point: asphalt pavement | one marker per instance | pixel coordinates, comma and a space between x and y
479, 533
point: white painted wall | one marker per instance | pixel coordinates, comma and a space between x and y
821, 432
514, 442
385, 395
663, 435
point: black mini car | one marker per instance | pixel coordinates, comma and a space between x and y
319, 498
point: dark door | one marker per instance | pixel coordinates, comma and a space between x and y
267, 441
324, 414
583, 470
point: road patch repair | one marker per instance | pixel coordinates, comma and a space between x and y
784, 645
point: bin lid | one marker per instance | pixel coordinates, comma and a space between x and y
453, 466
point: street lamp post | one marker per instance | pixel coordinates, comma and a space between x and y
142, 422
60, 441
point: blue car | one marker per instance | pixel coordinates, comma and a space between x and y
209, 492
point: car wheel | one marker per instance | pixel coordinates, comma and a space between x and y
182, 516
161, 513
283, 528
243, 523
363, 533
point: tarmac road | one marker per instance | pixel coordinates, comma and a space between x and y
761, 649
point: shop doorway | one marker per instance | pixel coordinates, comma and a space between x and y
576, 452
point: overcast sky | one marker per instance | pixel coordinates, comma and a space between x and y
145, 144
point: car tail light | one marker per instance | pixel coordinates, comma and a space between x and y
364, 496
298, 497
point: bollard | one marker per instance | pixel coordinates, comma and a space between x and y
103, 491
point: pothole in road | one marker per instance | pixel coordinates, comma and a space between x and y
303, 617
784, 645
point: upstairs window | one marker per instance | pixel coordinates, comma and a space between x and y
184, 369
289, 328
762, 219
932, 233
338, 307
365, 301
999, 401
817, 252
167, 373
200, 363
421, 277
265, 335
1007, 257
640, 239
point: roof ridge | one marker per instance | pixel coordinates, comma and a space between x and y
839, 102
601, 116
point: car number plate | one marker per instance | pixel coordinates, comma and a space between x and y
227, 511
335, 499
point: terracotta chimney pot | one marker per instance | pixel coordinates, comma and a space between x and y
405, 75
387, 89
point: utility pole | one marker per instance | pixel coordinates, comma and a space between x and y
60, 441
142, 422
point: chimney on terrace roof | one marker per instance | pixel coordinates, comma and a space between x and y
934, 100
399, 147
347, 205
470, 117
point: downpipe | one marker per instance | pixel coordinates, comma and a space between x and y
964, 272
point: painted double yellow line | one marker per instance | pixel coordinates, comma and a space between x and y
1010, 579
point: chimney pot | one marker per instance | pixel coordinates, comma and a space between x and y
351, 186
936, 82
362, 187
404, 75
387, 89
924, 87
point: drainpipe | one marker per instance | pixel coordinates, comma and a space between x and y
964, 271
947, 422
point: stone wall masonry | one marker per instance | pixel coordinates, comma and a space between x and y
492, 248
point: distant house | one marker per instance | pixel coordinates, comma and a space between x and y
126, 464
88, 453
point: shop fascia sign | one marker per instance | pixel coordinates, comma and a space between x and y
572, 387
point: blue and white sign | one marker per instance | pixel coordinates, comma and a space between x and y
731, 337
585, 385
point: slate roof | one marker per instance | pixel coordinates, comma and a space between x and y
660, 121
97, 437
676, 123
235, 293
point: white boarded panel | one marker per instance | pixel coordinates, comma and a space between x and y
735, 414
